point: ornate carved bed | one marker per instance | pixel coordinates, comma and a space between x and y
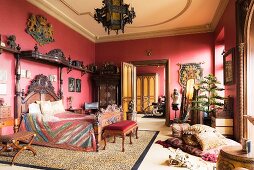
89, 126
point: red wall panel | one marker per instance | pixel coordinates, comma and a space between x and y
14, 15
177, 49
228, 23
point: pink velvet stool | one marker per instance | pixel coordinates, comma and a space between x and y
122, 129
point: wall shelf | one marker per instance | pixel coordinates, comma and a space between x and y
11, 50
52, 60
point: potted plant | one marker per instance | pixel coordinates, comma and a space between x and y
208, 100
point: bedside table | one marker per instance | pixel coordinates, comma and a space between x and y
231, 157
76, 110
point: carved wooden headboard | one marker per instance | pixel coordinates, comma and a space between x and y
39, 89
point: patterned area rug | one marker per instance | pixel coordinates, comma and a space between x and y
110, 159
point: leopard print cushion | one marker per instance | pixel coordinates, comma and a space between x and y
190, 139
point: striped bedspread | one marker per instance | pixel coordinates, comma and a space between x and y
65, 130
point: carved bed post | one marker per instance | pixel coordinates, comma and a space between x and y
97, 130
17, 98
61, 83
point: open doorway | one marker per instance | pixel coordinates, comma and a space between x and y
164, 88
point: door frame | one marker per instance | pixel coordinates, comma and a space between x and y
165, 63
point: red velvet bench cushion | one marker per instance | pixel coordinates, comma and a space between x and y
122, 129
122, 126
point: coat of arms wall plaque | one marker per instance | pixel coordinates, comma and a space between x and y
189, 71
39, 29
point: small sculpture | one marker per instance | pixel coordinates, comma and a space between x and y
11, 41
70, 99
176, 99
131, 106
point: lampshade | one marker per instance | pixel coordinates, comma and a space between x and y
114, 15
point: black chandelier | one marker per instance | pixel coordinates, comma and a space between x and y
114, 15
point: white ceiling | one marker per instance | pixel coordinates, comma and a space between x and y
153, 18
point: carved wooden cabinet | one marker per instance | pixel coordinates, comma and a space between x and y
106, 89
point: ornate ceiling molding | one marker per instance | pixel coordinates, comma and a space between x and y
218, 13
75, 11
154, 34
53, 11
187, 5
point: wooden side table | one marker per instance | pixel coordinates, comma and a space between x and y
232, 157
76, 110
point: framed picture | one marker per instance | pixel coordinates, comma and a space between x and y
229, 66
78, 85
71, 84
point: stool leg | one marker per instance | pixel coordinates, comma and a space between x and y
137, 133
123, 142
130, 137
105, 141
114, 139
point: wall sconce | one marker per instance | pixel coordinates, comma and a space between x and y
148, 52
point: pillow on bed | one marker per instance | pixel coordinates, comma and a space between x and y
34, 108
198, 128
208, 140
57, 107
46, 108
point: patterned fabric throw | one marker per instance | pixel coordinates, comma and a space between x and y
72, 131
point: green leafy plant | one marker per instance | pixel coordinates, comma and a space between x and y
208, 99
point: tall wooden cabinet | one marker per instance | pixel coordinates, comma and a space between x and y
147, 90
106, 86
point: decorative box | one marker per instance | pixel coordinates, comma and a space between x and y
5, 111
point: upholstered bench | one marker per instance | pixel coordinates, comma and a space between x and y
13, 141
121, 129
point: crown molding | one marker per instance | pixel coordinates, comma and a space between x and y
154, 34
51, 10
218, 13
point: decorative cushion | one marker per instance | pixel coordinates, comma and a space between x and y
189, 138
34, 108
178, 143
208, 140
57, 107
178, 128
192, 150
122, 126
46, 108
201, 128
175, 142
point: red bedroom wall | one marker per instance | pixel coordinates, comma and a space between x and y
161, 75
14, 15
228, 23
177, 49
